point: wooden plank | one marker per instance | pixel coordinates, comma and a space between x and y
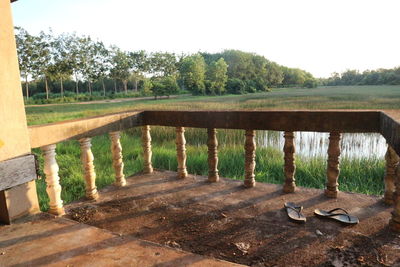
316, 121
17, 171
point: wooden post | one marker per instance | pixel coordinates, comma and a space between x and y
392, 161
333, 170
146, 143
212, 144
181, 152
88, 168
290, 167
53, 187
118, 164
395, 221
250, 155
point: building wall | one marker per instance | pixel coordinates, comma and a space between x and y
14, 138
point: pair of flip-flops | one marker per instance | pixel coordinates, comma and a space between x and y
295, 213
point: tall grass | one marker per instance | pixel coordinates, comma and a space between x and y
331, 97
357, 175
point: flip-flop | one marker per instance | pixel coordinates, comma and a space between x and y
342, 217
294, 212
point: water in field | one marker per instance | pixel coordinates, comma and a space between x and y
308, 144
313, 144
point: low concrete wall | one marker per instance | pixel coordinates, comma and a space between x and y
315, 121
390, 128
386, 122
53, 133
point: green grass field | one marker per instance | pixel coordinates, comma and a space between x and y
339, 97
357, 175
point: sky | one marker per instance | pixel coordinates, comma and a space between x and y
319, 36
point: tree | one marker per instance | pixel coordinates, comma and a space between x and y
254, 70
140, 64
26, 50
217, 76
99, 63
120, 66
164, 86
163, 64
193, 73
235, 86
61, 67
147, 86
274, 74
87, 54
74, 48
42, 58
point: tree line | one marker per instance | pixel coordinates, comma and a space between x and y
368, 77
68, 64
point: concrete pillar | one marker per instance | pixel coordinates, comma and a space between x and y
118, 163
88, 168
333, 170
212, 145
395, 221
14, 138
53, 187
392, 161
289, 167
181, 152
146, 144
250, 159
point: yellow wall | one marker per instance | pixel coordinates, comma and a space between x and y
14, 140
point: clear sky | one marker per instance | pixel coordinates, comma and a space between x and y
319, 36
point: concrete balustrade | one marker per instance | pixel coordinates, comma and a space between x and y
395, 221
250, 156
88, 168
181, 152
147, 153
212, 144
289, 163
118, 163
53, 187
333, 170
336, 122
392, 161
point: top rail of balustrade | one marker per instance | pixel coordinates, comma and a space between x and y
386, 122
390, 128
53, 133
315, 121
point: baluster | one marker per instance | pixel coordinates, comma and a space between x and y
146, 143
250, 155
181, 152
53, 187
118, 164
395, 221
290, 167
333, 170
212, 144
88, 168
392, 161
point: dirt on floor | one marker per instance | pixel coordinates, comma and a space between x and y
246, 226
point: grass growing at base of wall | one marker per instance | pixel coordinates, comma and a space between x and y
358, 175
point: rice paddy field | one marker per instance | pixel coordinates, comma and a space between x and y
363, 174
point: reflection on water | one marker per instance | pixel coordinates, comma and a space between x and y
308, 144
313, 144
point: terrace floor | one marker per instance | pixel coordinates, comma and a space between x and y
220, 220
